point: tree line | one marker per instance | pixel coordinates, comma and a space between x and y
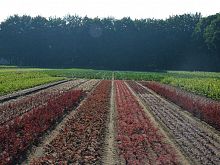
181, 42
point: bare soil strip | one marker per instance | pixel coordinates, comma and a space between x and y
196, 140
28, 91
110, 152
181, 157
38, 151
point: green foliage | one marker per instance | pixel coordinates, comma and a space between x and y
202, 25
148, 76
79, 73
205, 84
181, 42
16, 79
186, 74
7, 66
202, 83
212, 34
98, 43
208, 31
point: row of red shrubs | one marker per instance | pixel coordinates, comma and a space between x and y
205, 109
12, 109
17, 135
139, 141
82, 137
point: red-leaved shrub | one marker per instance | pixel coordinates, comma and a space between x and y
201, 107
17, 135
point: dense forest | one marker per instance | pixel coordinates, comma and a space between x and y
181, 42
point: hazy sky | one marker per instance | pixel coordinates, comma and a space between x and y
104, 8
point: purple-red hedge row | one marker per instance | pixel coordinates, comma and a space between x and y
13, 108
203, 108
17, 135
139, 141
82, 138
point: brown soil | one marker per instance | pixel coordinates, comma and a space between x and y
110, 156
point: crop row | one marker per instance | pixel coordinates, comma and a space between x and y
80, 73
88, 86
149, 76
203, 108
17, 135
16, 79
13, 108
82, 137
199, 143
208, 87
28, 91
139, 141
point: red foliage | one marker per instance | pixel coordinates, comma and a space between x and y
139, 141
18, 134
21, 105
81, 139
203, 108
195, 140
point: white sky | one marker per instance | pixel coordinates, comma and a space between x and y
105, 8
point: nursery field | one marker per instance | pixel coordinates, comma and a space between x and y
83, 116
16, 79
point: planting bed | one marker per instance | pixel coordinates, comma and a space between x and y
118, 122
17, 135
12, 80
199, 143
139, 141
81, 139
201, 107
88, 86
14, 108
27, 91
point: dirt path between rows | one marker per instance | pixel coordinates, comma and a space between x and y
110, 156
38, 151
182, 159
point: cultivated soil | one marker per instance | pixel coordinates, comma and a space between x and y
38, 151
110, 156
199, 142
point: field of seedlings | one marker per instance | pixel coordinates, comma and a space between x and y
104, 117
16, 79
